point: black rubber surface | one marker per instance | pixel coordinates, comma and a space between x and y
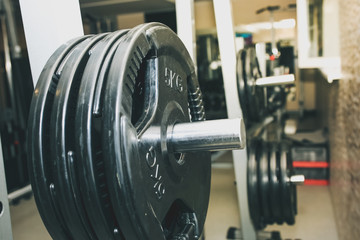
40, 161
92, 178
62, 130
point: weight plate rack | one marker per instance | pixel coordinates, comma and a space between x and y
271, 184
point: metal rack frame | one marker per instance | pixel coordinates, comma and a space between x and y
226, 37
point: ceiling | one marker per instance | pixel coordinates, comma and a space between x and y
244, 10
115, 7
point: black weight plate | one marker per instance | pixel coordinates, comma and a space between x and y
150, 86
92, 177
263, 181
286, 193
241, 82
40, 162
255, 95
62, 141
253, 186
275, 191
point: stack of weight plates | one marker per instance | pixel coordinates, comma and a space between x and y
271, 195
252, 97
99, 162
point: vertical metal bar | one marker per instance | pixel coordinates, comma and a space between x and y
11, 29
8, 66
261, 56
273, 43
5, 221
302, 31
17, 114
226, 37
186, 25
47, 25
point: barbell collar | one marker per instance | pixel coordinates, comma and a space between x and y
214, 135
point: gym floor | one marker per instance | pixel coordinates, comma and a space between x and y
315, 219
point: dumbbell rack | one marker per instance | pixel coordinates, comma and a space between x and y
43, 40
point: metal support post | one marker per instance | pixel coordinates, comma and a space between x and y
15, 49
226, 37
47, 25
186, 25
5, 221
